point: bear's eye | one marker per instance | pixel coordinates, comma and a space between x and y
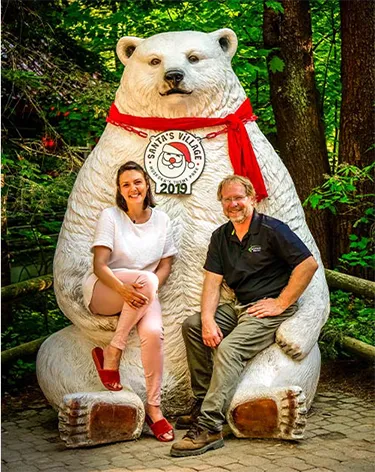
193, 59
155, 61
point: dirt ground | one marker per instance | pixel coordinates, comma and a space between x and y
350, 376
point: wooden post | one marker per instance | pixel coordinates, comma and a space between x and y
349, 283
27, 349
38, 284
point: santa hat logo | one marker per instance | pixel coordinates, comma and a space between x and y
181, 148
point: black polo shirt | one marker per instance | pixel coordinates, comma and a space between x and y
260, 265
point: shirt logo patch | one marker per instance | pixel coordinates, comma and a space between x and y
254, 248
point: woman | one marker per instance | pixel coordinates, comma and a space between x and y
133, 251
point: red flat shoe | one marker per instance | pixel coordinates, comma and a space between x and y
108, 377
159, 428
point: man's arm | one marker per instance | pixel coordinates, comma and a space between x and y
211, 333
299, 280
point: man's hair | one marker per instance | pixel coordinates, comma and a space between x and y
120, 200
236, 179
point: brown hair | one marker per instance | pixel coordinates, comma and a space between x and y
120, 200
237, 179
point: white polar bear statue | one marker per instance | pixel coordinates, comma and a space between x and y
176, 75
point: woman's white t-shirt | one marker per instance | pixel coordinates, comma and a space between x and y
133, 246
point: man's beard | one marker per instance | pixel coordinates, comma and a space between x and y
241, 217
238, 219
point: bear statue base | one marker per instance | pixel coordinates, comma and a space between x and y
280, 414
89, 419
274, 395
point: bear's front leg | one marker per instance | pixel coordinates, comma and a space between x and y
273, 395
298, 334
88, 419
88, 414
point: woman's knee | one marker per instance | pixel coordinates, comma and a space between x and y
150, 283
153, 336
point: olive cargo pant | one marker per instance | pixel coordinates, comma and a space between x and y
215, 372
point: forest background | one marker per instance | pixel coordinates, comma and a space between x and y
307, 67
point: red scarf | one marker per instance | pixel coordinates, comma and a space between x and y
241, 151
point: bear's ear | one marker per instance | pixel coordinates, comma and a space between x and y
227, 40
126, 46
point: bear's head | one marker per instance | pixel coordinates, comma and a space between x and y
178, 74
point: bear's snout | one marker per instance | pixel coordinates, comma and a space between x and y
174, 76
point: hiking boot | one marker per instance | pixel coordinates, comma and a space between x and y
197, 440
185, 421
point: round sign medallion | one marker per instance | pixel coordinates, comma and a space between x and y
174, 160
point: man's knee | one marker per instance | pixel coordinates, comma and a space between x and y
192, 324
227, 354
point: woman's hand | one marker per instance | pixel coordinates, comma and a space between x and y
131, 296
129, 292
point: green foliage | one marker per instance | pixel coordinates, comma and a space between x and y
341, 188
34, 317
276, 64
340, 195
325, 16
81, 119
34, 187
361, 252
22, 79
350, 316
17, 373
275, 6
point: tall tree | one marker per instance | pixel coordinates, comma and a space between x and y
6, 308
295, 103
356, 141
356, 145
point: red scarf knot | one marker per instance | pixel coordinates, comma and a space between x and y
240, 149
233, 122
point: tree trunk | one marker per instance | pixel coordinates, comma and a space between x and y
359, 349
23, 350
38, 284
6, 308
356, 141
296, 107
348, 283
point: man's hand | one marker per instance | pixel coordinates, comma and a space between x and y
266, 307
211, 334
299, 280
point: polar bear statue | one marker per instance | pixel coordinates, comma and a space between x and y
176, 75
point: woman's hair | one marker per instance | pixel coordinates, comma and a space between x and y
237, 179
120, 200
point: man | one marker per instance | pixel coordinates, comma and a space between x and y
268, 267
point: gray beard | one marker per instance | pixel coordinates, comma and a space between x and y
238, 219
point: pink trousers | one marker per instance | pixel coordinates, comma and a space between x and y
148, 319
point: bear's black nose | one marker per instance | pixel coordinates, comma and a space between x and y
175, 76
